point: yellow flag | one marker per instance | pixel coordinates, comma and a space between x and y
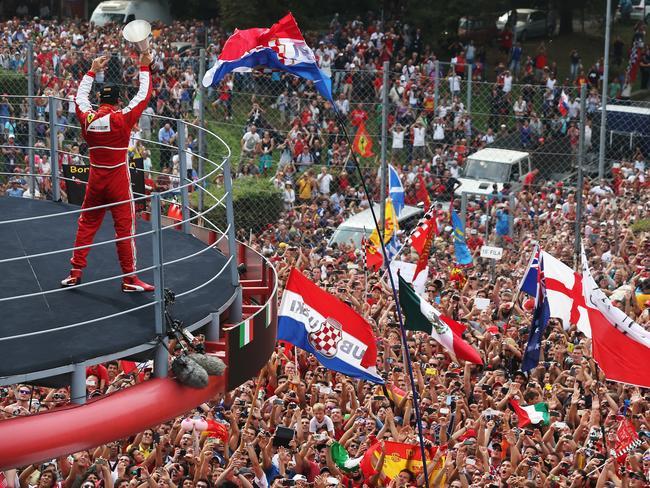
390, 226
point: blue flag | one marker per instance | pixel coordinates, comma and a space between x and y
540, 321
529, 281
463, 256
395, 189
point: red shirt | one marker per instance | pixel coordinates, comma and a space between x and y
358, 116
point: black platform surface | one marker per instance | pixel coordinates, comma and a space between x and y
45, 312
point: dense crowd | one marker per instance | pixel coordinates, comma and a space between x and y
464, 407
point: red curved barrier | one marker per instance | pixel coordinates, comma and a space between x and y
100, 421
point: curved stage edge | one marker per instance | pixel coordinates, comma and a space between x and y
36, 438
27, 440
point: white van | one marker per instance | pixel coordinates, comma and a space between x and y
488, 166
124, 11
354, 227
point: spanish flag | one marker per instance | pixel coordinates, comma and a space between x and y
390, 226
398, 456
362, 144
394, 393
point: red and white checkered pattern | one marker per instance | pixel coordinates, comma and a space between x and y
326, 339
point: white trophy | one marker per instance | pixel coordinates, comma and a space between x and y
138, 32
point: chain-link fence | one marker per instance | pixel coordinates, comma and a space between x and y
281, 130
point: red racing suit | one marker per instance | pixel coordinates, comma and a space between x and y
107, 131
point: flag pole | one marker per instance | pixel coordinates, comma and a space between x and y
398, 309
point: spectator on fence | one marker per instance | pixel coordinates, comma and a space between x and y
166, 136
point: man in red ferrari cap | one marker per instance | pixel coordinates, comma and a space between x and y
107, 131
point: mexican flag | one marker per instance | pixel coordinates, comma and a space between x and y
420, 315
531, 414
342, 458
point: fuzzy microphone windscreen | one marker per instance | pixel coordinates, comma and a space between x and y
212, 364
188, 372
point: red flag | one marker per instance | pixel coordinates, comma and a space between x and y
397, 457
374, 259
620, 346
362, 144
430, 230
421, 192
626, 439
427, 228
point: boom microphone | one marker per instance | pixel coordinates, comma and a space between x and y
212, 364
190, 373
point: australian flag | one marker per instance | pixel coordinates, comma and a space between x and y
529, 282
540, 321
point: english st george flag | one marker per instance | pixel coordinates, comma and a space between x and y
620, 346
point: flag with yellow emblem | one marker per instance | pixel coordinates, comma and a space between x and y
362, 144
391, 226
398, 456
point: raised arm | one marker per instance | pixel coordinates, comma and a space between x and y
82, 101
139, 102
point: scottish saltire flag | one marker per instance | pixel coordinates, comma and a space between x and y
393, 247
463, 255
280, 47
395, 189
321, 324
540, 320
528, 282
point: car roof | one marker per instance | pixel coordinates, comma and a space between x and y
499, 155
364, 218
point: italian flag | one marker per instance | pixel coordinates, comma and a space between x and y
269, 314
420, 315
245, 332
342, 458
531, 414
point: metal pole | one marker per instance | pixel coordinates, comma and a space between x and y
469, 88
384, 148
603, 105
54, 159
212, 329
201, 135
511, 214
78, 385
236, 307
182, 169
160, 358
463, 208
581, 160
158, 272
30, 124
436, 86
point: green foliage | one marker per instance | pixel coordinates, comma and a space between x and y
256, 201
12, 83
641, 226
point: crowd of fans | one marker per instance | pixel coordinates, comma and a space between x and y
464, 407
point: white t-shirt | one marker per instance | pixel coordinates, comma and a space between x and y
324, 181
438, 132
315, 425
250, 140
507, 84
418, 136
398, 139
